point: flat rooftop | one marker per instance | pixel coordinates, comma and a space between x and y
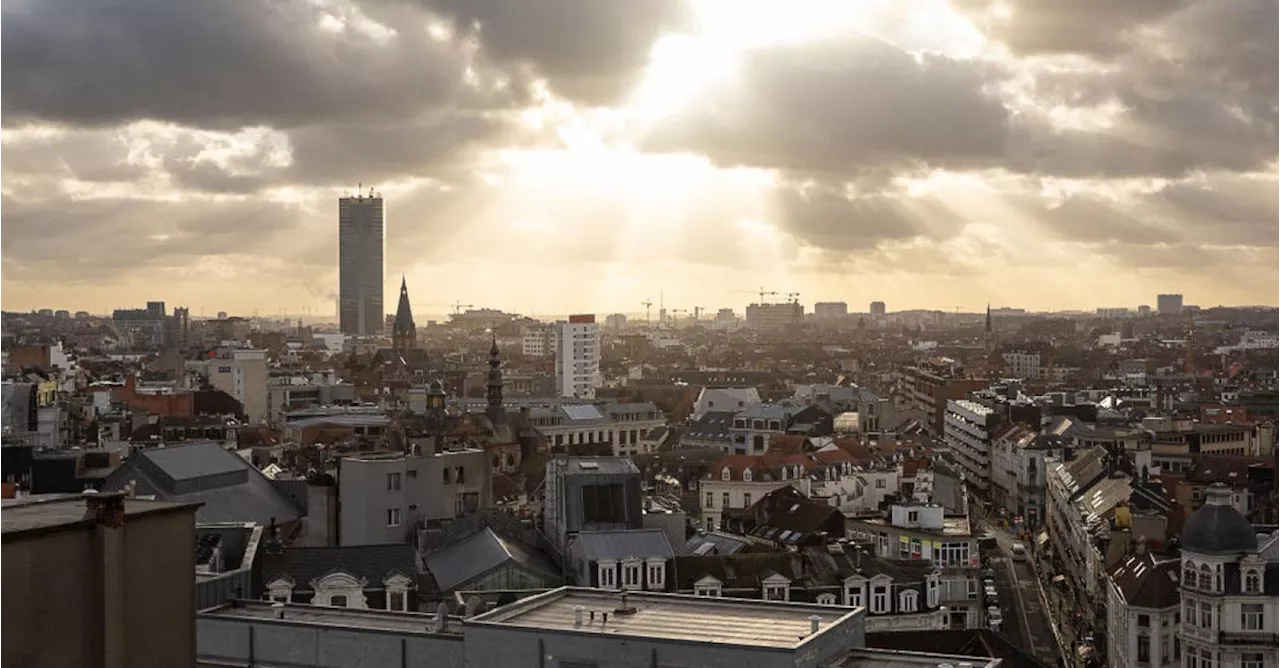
54, 511
412, 623
669, 616
951, 525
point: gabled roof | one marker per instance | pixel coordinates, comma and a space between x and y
481, 553
1148, 581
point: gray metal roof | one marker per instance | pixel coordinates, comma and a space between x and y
193, 461
253, 500
722, 543
639, 543
767, 411
480, 553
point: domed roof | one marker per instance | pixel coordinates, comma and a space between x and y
1217, 526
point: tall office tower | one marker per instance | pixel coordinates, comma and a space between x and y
877, 308
360, 227
577, 347
1168, 304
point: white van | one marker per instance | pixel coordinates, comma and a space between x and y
1018, 552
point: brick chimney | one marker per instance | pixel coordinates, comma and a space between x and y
105, 508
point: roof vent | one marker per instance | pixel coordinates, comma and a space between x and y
278, 610
624, 609
815, 622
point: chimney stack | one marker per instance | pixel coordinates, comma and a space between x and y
105, 508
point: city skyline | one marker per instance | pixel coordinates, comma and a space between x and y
924, 153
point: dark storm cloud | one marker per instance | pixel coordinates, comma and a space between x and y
63, 238
1095, 27
432, 146
825, 217
844, 105
590, 51
227, 63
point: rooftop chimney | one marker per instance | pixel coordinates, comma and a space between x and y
105, 508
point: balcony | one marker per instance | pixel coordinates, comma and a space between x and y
1248, 638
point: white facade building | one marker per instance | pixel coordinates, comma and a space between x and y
1228, 589
242, 373
577, 351
967, 430
1022, 365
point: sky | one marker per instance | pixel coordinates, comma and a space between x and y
587, 155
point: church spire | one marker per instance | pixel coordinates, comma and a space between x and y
404, 334
494, 386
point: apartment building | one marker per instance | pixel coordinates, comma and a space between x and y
968, 431
924, 531
242, 373
737, 481
577, 353
928, 388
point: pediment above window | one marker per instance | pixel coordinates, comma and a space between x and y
338, 579
397, 580
280, 581
708, 581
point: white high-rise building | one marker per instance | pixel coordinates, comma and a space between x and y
577, 349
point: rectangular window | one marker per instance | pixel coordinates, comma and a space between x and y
711, 499
1189, 612
1206, 616
913, 516
1251, 660
1144, 649
393, 482
879, 483
631, 575
462, 475
1144, 620
1251, 616
393, 517
395, 601
746, 500
447, 477
724, 500
775, 593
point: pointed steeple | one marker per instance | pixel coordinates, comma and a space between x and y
494, 386
988, 318
403, 332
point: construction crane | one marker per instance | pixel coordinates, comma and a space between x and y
456, 306
761, 292
676, 312
793, 297
646, 304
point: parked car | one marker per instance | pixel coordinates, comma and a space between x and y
1018, 552
989, 593
995, 618
988, 574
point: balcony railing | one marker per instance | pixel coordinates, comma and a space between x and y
1248, 638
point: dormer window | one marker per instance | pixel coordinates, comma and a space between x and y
880, 599
656, 573
631, 574
707, 586
607, 573
908, 600
932, 592
726, 475
1252, 582
855, 592
826, 599
746, 475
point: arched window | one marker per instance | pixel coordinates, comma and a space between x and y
1189, 573
1252, 582
1206, 578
